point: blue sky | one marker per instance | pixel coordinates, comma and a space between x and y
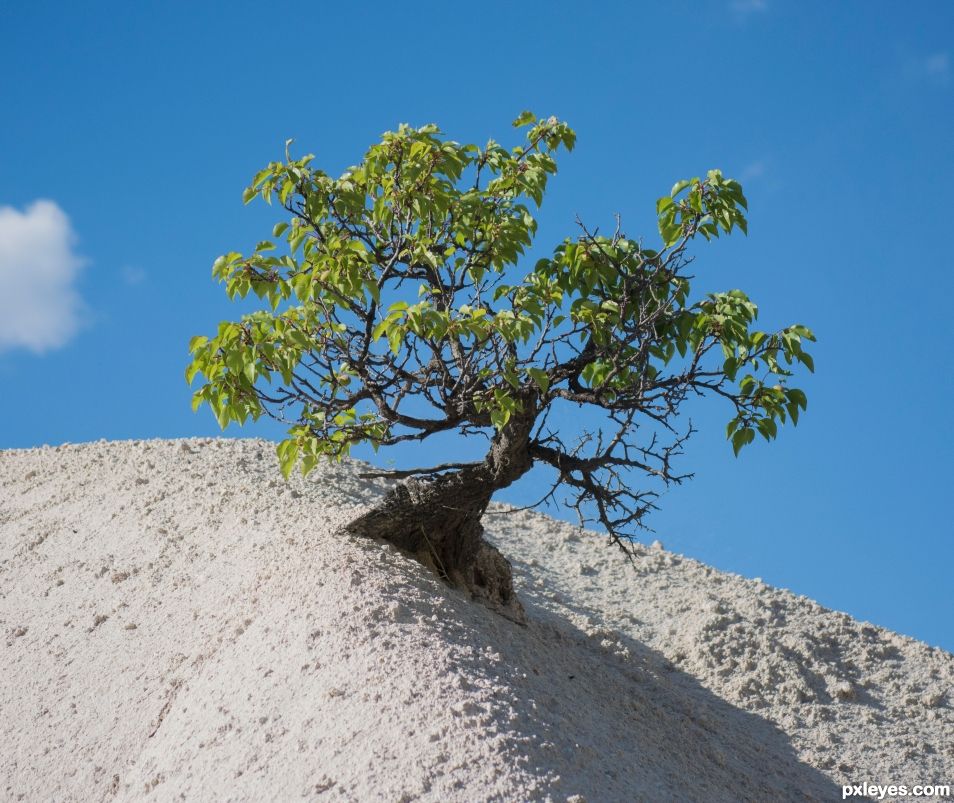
130, 129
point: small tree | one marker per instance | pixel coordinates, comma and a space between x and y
397, 314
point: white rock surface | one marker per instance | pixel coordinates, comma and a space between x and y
177, 622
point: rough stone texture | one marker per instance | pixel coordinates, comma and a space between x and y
177, 621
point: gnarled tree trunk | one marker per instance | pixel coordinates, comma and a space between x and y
438, 520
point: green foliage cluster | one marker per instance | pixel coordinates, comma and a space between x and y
392, 309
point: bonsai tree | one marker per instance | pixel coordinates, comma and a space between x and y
395, 310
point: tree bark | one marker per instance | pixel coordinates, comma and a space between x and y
438, 520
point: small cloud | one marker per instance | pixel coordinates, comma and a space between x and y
937, 66
132, 275
752, 171
933, 68
40, 308
747, 8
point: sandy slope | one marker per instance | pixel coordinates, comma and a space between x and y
178, 623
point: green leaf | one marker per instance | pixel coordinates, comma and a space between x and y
679, 186
798, 397
395, 338
381, 328
540, 378
767, 428
298, 338
308, 462
288, 187
374, 291
792, 408
287, 456
731, 427
499, 418
525, 118
742, 438
738, 441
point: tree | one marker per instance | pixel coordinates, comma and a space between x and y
397, 313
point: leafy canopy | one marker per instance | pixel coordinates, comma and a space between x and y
395, 310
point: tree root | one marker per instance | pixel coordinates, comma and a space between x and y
438, 522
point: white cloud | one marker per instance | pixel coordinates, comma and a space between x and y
133, 275
937, 66
746, 8
40, 308
928, 68
753, 170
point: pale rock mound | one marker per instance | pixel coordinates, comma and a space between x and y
180, 623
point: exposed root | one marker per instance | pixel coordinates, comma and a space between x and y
438, 522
